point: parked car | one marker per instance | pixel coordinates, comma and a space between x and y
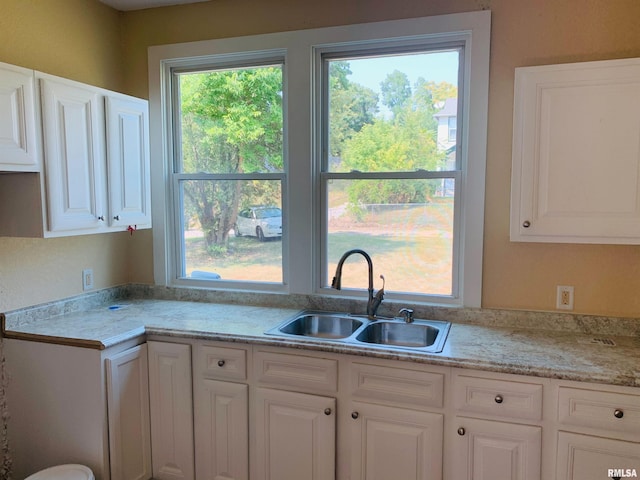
262, 222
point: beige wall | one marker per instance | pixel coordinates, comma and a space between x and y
524, 32
77, 39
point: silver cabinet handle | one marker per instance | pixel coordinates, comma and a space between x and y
618, 413
327, 411
461, 431
221, 363
526, 224
355, 415
499, 399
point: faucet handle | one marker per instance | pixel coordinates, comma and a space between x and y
407, 313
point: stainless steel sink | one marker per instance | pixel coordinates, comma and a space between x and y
396, 334
322, 326
415, 335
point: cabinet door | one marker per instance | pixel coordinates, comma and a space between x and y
128, 161
18, 145
73, 120
221, 430
171, 411
294, 435
584, 457
390, 442
489, 450
576, 153
128, 406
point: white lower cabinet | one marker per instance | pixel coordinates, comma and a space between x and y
488, 450
170, 395
391, 442
71, 404
294, 436
228, 411
599, 432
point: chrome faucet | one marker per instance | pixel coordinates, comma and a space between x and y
374, 300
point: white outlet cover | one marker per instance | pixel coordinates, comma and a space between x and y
87, 279
567, 290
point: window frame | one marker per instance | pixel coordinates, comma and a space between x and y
302, 199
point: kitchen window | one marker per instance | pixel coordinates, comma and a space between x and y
338, 163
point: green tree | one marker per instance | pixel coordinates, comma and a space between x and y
231, 123
351, 106
396, 91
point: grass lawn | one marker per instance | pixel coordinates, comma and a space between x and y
411, 247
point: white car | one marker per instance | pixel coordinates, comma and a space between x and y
262, 222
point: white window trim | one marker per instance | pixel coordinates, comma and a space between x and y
301, 239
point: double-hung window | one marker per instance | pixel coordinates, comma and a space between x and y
275, 154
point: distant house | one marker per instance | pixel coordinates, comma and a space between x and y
447, 118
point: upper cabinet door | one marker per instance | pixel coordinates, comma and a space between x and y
18, 144
73, 123
576, 153
128, 161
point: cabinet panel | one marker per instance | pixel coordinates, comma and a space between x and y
128, 407
576, 153
221, 430
488, 450
294, 435
171, 407
18, 141
128, 161
74, 146
389, 442
498, 397
583, 457
296, 371
613, 412
397, 385
221, 362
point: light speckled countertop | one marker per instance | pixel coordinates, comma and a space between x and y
545, 353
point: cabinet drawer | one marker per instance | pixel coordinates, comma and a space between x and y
498, 397
296, 371
221, 362
397, 385
593, 408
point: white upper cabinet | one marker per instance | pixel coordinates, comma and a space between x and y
576, 153
18, 141
128, 161
72, 119
93, 172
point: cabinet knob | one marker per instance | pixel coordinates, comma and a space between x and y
221, 363
355, 415
499, 399
327, 411
101, 218
618, 413
117, 217
526, 224
461, 431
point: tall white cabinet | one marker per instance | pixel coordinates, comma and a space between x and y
91, 153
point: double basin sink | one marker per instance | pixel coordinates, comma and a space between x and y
420, 335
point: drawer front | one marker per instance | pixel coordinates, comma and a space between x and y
597, 409
504, 398
296, 371
397, 385
222, 363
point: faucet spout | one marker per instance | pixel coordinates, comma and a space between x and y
374, 301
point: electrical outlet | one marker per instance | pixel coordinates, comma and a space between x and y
87, 279
564, 299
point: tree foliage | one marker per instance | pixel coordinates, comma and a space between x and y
231, 123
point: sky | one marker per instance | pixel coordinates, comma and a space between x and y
439, 67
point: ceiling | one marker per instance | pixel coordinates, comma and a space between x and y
125, 5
